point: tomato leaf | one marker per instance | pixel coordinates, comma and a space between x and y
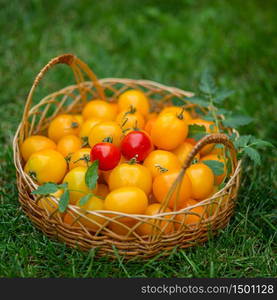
236, 121
199, 101
196, 131
64, 201
92, 175
242, 141
216, 166
46, 189
63, 185
260, 143
222, 95
207, 83
85, 199
253, 154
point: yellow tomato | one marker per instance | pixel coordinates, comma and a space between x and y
34, 144
177, 110
209, 129
80, 158
162, 187
48, 203
150, 116
183, 150
169, 131
62, 125
104, 130
218, 178
159, 161
105, 175
130, 200
79, 119
69, 144
46, 166
136, 99
149, 124
122, 226
102, 190
155, 226
130, 120
86, 127
99, 109
217, 151
202, 180
128, 174
190, 218
89, 220
75, 179
114, 106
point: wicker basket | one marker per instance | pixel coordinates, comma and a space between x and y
71, 100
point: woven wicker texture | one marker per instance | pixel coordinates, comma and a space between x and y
218, 208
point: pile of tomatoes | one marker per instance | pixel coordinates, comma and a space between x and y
139, 155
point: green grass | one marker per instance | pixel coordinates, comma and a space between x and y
166, 41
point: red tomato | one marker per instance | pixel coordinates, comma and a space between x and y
107, 154
136, 144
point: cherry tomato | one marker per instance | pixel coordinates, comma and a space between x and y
177, 110
136, 144
34, 144
90, 221
169, 131
162, 186
62, 125
149, 124
75, 179
80, 158
105, 130
130, 200
154, 226
183, 150
49, 204
135, 98
69, 144
107, 154
99, 109
130, 119
86, 128
202, 180
218, 178
129, 174
187, 219
47, 165
160, 161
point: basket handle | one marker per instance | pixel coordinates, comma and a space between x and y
215, 138
76, 65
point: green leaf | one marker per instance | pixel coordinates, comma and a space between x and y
64, 201
199, 101
46, 189
222, 95
196, 131
253, 154
207, 84
63, 185
216, 166
261, 143
236, 121
85, 199
92, 175
242, 141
